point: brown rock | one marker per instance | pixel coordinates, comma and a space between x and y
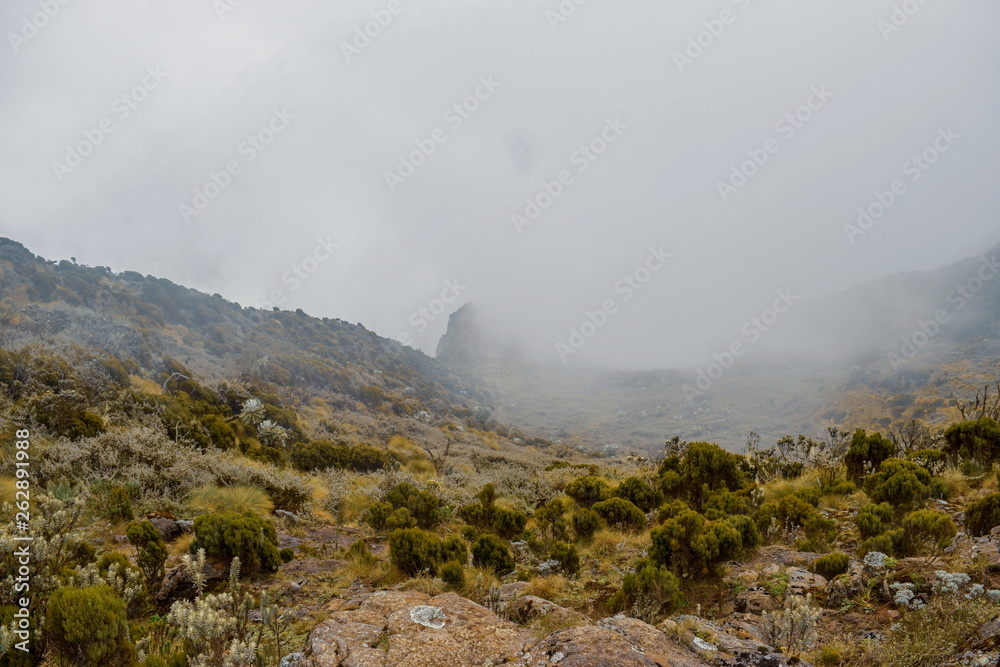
528, 608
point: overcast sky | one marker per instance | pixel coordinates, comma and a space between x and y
309, 117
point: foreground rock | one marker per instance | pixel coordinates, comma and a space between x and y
410, 629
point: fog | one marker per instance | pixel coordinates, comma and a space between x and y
662, 172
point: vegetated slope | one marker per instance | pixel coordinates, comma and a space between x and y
827, 363
140, 320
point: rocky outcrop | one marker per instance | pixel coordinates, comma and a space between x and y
410, 629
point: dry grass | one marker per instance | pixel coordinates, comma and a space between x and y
231, 499
7, 490
615, 544
181, 545
777, 489
957, 483
551, 587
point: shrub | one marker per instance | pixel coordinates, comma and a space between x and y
238, 498
902, 484
978, 440
874, 519
724, 503
842, 488
983, 515
88, 626
322, 454
704, 469
151, 549
453, 574
114, 558
639, 493
247, 536
928, 531
508, 523
830, 565
794, 627
424, 506
649, 593
400, 518
932, 459
413, 551
691, 545
820, 531
377, 515
749, 534
891, 542
287, 555
587, 490
566, 554
453, 549
550, 519
358, 553
621, 514
586, 523
866, 453
810, 495
490, 552
116, 503
670, 509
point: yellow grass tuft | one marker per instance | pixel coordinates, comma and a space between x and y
231, 499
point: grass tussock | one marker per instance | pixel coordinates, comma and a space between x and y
242, 499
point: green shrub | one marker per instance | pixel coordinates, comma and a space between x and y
874, 519
978, 440
670, 509
649, 593
287, 555
424, 506
691, 545
250, 537
932, 459
413, 551
377, 515
820, 531
704, 469
842, 488
586, 523
749, 534
639, 493
586, 491
453, 548
358, 553
810, 494
891, 542
88, 626
453, 574
400, 518
508, 523
110, 558
902, 484
151, 549
830, 565
928, 531
490, 552
983, 515
550, 519
621, 514
568, 557
322, 454
723, 503
115, 502
866, 453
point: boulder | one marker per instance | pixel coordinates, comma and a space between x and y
528, 608
411, 629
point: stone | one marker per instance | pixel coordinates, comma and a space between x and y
528, 608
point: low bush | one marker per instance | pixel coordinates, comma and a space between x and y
649, 593
928, 531
983, 515
567, 556
830, 565
152, 551
586, 523
586, 491
639, 493
228, 535
490, 552
621, 514
88, 626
